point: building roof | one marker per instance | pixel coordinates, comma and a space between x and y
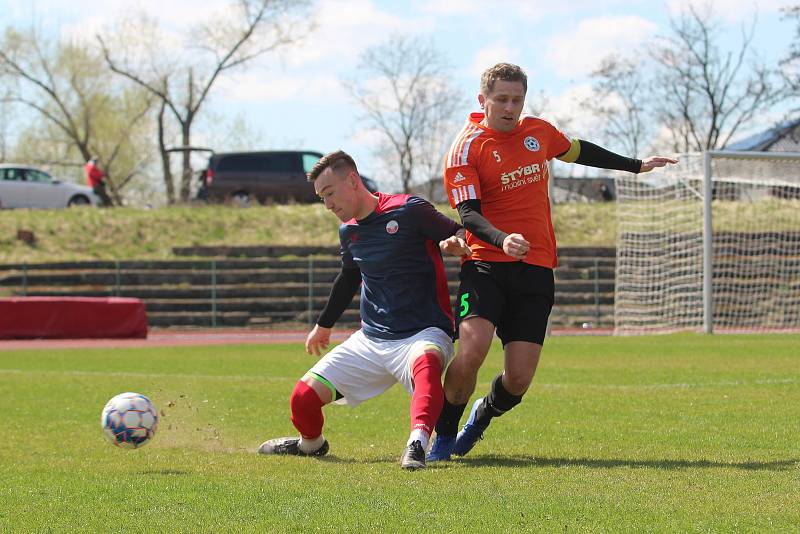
783, 137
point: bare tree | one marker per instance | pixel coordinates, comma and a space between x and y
6, 120
791, 63
255, 28
621, 101
66, 86
408, 100
433, 144
706, 95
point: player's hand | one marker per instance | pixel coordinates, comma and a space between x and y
516, 246
656, 161
318, 339
455, 246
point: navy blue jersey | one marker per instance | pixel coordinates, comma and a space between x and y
396, 248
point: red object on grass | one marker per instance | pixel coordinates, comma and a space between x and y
72, 318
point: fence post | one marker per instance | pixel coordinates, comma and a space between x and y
596, 292
213, 293
116, 279
25, 279
310, 288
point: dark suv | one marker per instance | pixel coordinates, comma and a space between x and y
247, 177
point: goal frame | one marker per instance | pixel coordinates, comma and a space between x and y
708, 232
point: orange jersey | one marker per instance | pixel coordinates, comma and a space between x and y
508, 173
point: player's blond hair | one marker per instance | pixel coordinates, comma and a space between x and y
505, 72
337, 161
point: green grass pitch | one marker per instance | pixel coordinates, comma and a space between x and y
680, 433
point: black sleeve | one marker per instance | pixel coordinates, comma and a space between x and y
342, 293
475, 222
432, 223
597, 156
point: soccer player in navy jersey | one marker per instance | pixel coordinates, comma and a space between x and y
390, 247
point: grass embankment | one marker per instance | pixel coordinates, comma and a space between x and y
128, 233
678, 433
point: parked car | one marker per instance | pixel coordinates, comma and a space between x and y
22, 186
243, 178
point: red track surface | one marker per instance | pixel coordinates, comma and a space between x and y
175, 338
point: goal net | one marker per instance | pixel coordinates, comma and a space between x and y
710, 244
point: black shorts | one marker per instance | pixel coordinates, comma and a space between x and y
516, 297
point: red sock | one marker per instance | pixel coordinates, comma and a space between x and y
306, 410
428, 396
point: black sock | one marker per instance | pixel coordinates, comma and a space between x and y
447, 425
497, 402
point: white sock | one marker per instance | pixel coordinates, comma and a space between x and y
309, 446
419, 435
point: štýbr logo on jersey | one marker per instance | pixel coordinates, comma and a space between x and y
532, 171
531, 143
392, 227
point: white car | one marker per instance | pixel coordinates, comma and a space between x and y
27, 187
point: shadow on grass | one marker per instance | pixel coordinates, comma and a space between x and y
593, 463
613, 463
358, 460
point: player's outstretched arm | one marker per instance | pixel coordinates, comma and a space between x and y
456, 245
318, 340
649, 164
430, 222
589, 154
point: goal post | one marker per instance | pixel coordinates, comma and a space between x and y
710, 244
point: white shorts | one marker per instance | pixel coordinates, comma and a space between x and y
361, 367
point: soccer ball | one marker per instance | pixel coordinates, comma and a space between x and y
129, 420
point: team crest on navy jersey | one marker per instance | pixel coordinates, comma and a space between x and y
392, 227
531, 143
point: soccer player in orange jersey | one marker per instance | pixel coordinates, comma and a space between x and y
496, 175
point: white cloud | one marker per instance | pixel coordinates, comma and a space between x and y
124, 21
579, 51
517, 11
568, 110
249, 87
75, 18
449, 7
728, 10
344, 29
264, 86
490, 55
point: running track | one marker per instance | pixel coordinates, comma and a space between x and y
178, 338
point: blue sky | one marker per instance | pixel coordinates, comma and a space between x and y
295, 100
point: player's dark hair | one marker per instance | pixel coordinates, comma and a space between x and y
505, 72
337, 161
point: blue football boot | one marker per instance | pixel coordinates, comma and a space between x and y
471, 432
442, 448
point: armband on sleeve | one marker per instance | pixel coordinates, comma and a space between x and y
572, 154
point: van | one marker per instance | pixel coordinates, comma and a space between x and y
243, 178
